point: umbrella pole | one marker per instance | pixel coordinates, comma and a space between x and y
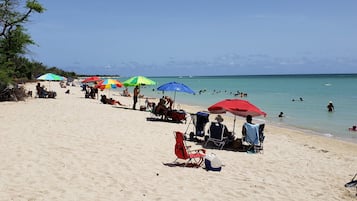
173, 105
234, 123
139, 96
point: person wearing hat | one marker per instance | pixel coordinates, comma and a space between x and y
226, 133
219, 119
330, 107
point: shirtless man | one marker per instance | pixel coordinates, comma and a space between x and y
135, 96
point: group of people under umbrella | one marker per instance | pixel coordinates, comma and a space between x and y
41, 91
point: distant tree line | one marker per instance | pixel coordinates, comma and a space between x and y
14, 66
90, 75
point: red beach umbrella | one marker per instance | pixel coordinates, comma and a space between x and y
92, 79
238, 107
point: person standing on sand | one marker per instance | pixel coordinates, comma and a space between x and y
135, 96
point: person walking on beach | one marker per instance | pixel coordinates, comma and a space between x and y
330, 107
135, 96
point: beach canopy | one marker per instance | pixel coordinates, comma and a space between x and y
92, 79
50, 77
138, 80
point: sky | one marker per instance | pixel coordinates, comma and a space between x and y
196, 37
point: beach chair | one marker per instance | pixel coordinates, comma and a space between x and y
216, 132
254, 137
199, 121
192, 158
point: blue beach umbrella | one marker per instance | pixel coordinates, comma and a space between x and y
176, 87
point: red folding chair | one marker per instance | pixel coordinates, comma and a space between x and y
192, 158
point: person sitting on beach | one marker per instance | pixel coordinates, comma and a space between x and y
161, 108
62, 84
249, 119
84, 87
103, 99
90, 92
42, 92
169, 101
126, 92
226, 133
149, 105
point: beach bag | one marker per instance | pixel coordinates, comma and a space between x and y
212, 162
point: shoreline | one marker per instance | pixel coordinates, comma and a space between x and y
303, 133
277, 124
287, 126
72, 148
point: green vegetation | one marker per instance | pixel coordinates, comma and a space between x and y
14, 67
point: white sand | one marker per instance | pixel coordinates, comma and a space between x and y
71, 148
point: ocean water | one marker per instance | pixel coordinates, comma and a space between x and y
275, 93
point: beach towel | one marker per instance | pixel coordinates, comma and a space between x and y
252, 133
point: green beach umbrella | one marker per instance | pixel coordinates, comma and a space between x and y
138, 80
50, 77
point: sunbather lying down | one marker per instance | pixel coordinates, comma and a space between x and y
113, 102
109, 101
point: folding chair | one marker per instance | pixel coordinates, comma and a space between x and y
216, 132
199, 121
253, 137
192, 158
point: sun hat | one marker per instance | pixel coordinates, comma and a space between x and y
219, 118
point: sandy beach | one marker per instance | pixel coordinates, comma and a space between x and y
72, 148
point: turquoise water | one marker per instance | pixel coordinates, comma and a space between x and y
274, 93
